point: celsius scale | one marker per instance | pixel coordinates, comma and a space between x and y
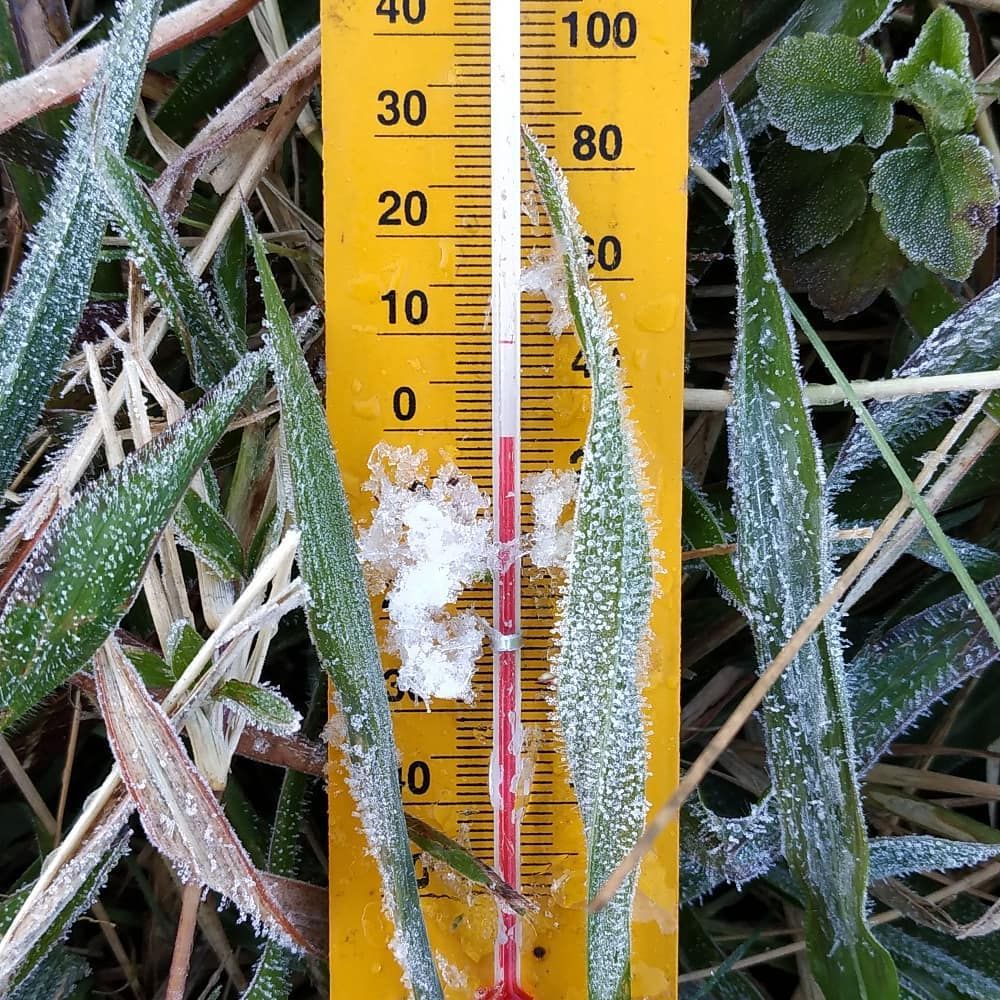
429, 220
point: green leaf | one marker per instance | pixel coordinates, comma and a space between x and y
938, 201
14, 976
153, 670
216, 72
816, 196
340, 623
826, 90
209, 536
936, 76
40, 315
86, 569
183, 645
604, 612
57, 978
213, 345
966, 341
698, 950
266, 708
229, 269
847, 276
858, 18
784, 561
900, 677
459, 859
970, 966
702, 529
272, 974
897, 857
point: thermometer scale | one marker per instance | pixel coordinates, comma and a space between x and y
429, 220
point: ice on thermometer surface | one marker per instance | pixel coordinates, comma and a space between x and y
429, 539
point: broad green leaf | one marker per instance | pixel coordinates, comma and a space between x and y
826, 90
265, 707
604, 612
815, 196
936, 76
41, 313
459, 859
216, 72
784, 561
340, 623
213, 344
847, 276
209, 536
938, 201
86, 569
723, 849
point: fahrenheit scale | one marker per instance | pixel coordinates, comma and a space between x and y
429, 345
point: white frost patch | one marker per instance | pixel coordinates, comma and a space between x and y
546, 274
552, 540
428, 541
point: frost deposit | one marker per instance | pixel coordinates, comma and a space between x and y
551, 493
428, 541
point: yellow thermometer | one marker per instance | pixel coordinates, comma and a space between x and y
429, 221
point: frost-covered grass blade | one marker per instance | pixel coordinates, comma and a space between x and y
604, 614
85, 571
28, 938
39, 316
214, 344
178, 809
340, 623
783, 559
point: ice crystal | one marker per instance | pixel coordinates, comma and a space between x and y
552, 493
428, 541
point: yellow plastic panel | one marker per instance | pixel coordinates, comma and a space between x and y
406, 133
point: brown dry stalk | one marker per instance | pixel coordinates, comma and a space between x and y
180, 961
54, 86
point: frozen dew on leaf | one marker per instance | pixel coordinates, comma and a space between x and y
428, 541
